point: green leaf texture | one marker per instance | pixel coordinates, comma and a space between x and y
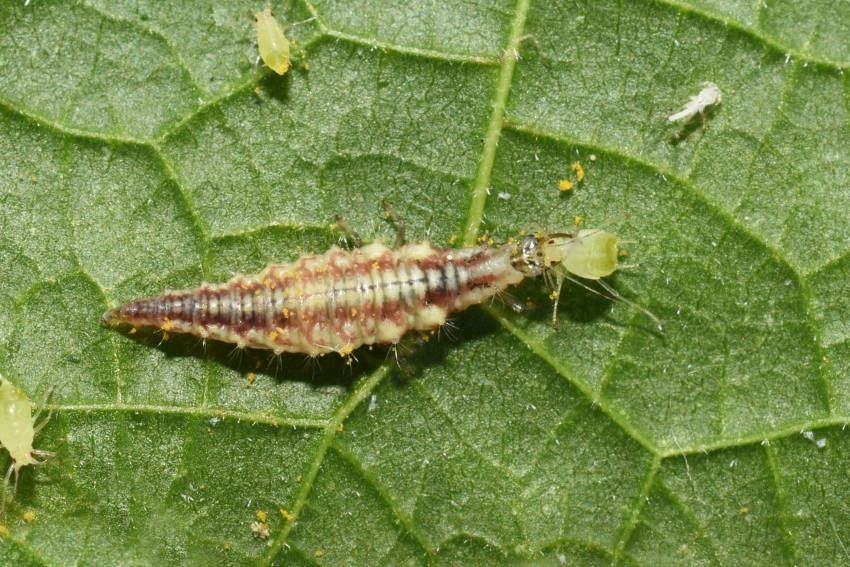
142, 148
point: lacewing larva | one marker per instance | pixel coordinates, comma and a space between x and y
708, 96
17, 433
343, 299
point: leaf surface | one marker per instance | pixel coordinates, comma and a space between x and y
143, 148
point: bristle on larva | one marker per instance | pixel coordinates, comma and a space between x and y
343, 299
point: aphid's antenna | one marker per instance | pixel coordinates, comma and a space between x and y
39, 426
615, 295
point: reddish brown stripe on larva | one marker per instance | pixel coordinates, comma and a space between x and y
332, 302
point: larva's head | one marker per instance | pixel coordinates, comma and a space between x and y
590, 254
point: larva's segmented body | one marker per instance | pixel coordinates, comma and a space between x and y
343, 299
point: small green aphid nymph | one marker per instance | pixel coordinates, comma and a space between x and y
272, 44
17, 433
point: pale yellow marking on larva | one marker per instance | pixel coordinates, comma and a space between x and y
167, 325
271, 42
16, 434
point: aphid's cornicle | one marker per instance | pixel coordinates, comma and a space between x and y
343, 299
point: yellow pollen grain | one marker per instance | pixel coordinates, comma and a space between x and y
262, 516
565, 185
299, 478
286, 515
319, 553
167, 324
578, 170
285, 312
376, 265
623, 253
354, 312
273, 335
340, 428
249, 379
577, 220
553, 295
346, 350
29, 516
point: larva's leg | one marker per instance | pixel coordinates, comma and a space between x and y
401, 360
397, 221
512, 302
347, 231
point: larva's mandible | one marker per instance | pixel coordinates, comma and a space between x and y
343, 299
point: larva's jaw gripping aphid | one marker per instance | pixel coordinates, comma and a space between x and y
16, 432
271, 42
343, 299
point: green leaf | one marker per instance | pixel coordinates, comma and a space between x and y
143, 148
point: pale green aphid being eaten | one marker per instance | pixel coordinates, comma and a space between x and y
17, 431
590, 254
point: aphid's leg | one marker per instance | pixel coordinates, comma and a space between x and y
39, 426
347, 231
6, 481
397, 221
46, 455
556, 297
301, 52
534, 40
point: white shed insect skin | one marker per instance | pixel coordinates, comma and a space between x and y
343, 299
708, 96
17, 433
